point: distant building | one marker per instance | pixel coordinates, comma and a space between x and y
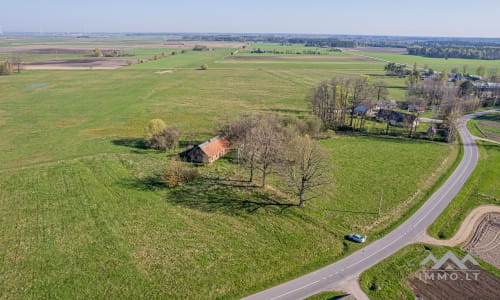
416, 108
396, 118
360, 110
385, 104
210, 150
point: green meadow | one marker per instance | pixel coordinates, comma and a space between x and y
82, 214
439, 64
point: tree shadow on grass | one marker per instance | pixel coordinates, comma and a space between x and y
358, 212
226, 199
148, 183
189, 144
286, 110
137, 143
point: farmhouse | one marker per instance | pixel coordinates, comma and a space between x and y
360, 110
210, 150
396, 118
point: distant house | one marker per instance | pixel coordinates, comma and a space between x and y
385, 104
416, 108
210, 150
396, 118
360, 110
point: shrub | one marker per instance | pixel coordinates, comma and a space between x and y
177, 173
5, 68
154, 127
200, 48
166, 139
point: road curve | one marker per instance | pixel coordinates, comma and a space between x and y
327, 278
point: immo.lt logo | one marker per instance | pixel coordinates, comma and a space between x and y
449, 267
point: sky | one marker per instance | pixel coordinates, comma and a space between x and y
457, 18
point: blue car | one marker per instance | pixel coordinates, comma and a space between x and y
356, 238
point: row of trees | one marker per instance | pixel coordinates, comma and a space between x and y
268, 143
334, 101
457, 52
449, 101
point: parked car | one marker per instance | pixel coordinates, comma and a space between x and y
356, 238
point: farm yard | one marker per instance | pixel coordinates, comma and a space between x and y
92, 219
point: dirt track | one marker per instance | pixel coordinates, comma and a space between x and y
466, 229
77, 64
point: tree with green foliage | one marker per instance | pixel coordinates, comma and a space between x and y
167, 139
481, 71
466, 88
5, 68
154, 127
97, 52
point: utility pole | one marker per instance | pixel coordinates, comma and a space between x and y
380, 201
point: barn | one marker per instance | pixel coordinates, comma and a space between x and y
210, 150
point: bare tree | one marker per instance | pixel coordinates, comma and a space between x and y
247, 151
307, 166
240, 135
17, 62
268, 140
381, 90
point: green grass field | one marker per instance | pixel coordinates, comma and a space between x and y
91, 221
279, 49
481, 188
439, 64
486, 126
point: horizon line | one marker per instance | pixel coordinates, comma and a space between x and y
208, 33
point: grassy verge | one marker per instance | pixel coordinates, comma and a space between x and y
474, 128
454, 160
481, 188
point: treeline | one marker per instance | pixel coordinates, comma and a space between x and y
97, 52
334, 101
307, 41
292, 51
449, 102
489, 53
333, 43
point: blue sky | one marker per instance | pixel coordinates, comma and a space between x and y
480, 18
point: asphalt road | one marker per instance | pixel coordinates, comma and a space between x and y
408, 232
